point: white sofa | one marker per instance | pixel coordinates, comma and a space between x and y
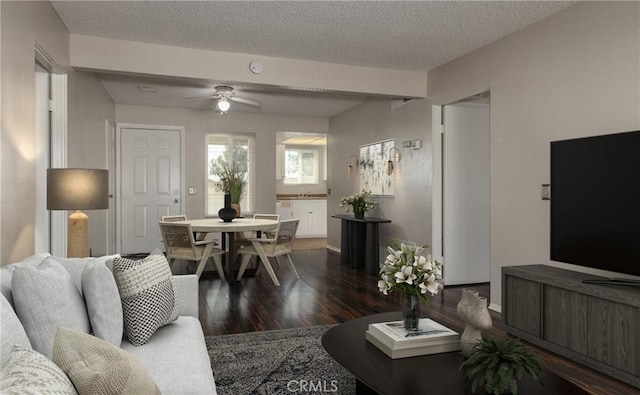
175, 356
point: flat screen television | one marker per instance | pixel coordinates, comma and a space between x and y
595, 202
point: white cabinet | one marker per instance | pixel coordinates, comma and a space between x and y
283, 209
311, 213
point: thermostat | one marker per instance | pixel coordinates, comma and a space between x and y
255, 67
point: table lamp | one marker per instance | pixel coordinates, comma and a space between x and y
77, 189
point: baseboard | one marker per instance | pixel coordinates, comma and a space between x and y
333, 249
495, 307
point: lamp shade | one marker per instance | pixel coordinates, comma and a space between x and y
77, 189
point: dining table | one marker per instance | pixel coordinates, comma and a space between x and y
229, 230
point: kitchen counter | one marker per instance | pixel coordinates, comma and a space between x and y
311, 196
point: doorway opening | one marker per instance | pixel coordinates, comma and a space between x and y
301, 185
462, 205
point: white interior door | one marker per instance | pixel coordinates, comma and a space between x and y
466, 193
150, 179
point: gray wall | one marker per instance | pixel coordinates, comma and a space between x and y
89, 106
23, 24
574, 74
410, 207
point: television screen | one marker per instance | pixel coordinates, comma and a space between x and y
595, 202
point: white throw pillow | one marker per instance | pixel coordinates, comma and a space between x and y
11, 330
45, 298
28, 372
103, 302
148, 295
99, 368
6, 273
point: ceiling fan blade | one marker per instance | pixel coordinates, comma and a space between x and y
249, 102
201, 97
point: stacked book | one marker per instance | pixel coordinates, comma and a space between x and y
395, 341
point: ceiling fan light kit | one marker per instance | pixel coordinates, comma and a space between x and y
225, 95
223, 105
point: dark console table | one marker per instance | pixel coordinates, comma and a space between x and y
359, 242
428, 374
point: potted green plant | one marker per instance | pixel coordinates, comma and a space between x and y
232, 181
499, 364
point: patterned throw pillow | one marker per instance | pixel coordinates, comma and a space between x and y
28, 372
148, 295
99, 368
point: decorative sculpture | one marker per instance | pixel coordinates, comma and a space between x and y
472, 308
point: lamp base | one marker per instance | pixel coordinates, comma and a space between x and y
78, 235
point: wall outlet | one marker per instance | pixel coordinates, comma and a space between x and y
546, 192
193, 191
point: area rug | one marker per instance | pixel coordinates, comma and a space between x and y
283, 361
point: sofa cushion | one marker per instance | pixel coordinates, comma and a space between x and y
103, 302
6, 273
45, 297
177, 359
28, 372
96, 367
148, 295
11, 330
75, 266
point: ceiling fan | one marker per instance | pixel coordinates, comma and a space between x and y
224, 94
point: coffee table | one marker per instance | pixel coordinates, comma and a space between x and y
429, 374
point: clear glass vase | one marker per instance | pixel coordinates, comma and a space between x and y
411, 312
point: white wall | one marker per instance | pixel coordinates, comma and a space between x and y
410, 208
466, 193
199, 122
574, 74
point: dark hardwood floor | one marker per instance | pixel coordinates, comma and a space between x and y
330, 293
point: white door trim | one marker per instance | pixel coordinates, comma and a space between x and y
118, 186
42, 76
110, 148
436, 213
57, 144
59, 124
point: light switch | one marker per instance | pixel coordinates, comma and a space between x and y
192, 191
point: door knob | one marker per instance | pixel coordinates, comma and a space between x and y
175, 200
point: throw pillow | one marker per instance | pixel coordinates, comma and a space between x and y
96, 367
11, 330
148, 295
45, 297
103, 302
28, 372
6, 272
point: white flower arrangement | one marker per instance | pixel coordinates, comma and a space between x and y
358, 202
410, 273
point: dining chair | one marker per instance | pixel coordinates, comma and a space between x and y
175, 218
281, 243
180, 244
242, 239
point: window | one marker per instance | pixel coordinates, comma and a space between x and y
222, 150
300, 166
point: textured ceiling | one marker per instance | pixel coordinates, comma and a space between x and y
403, 35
